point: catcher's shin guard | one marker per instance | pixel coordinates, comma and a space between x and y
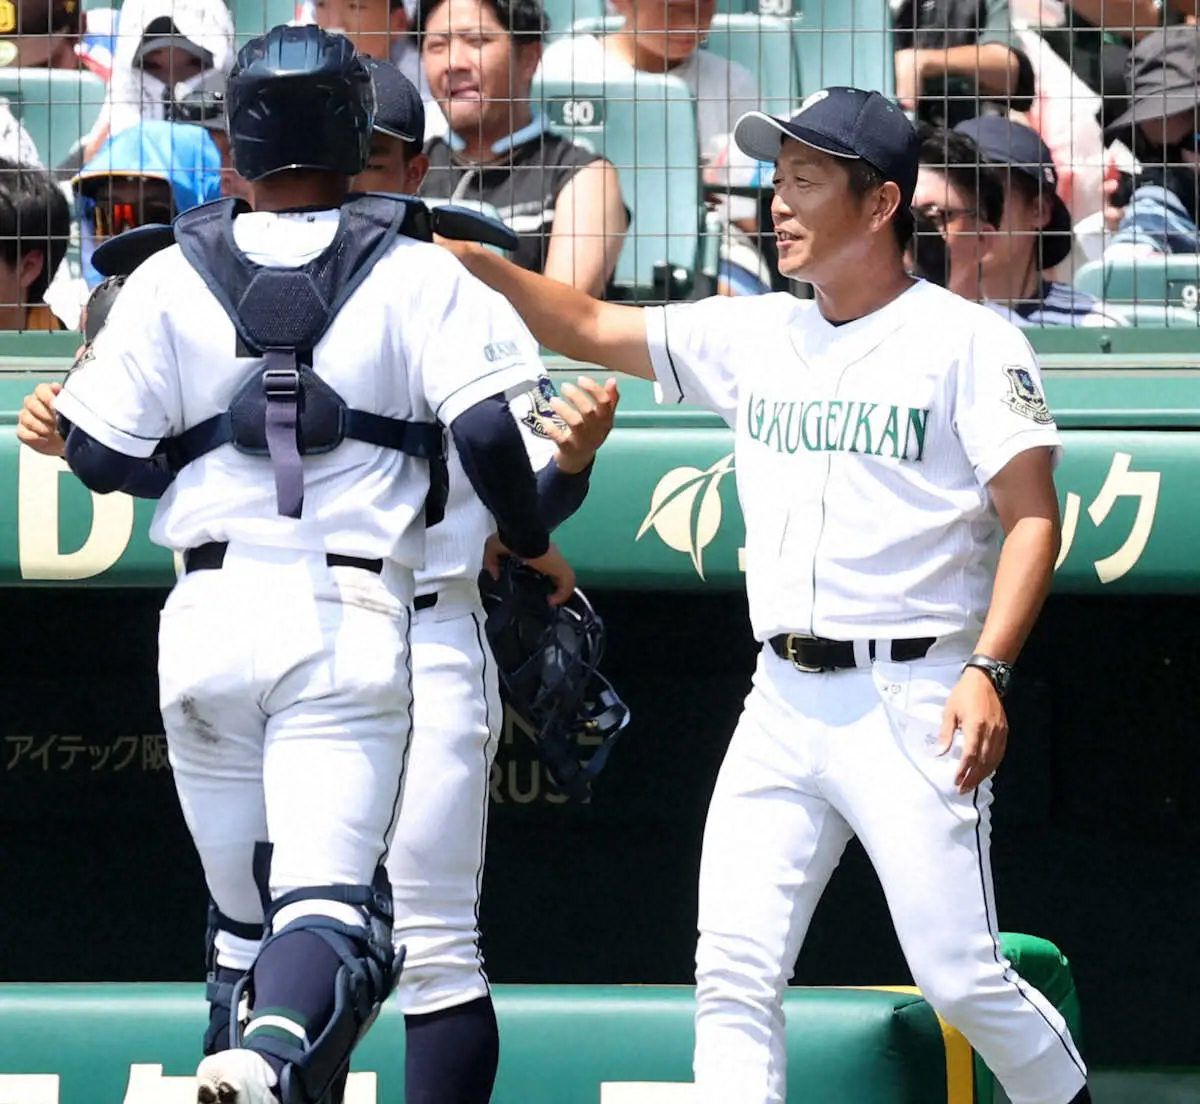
313, 1069
220, 980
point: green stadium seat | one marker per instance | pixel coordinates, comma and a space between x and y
252, 18
1149, 315
1165, 281
56, 106
842, 43
760, 44
647, 128
836, 42
565, 14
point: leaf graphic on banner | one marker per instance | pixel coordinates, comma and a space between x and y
685, 509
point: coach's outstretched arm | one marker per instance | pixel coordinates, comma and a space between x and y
568, 321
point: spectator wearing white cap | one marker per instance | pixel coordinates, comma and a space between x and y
165, 48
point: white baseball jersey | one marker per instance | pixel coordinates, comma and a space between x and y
441, 342
862, 451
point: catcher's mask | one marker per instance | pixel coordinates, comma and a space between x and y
547, 658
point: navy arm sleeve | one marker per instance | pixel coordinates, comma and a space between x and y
561, 494
493, 456
105, 470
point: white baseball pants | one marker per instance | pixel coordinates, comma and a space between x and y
285, 693
436, 860
815, 759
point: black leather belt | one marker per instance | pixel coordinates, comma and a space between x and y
424, 601
815, 653
211, 556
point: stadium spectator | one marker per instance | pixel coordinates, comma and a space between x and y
927, 256
964, 201
562, 200
40, 34
1161, 128
1095, 37
955, 59
378, 28
666, 36
165, 48
145, 174
37, 34
204, 106
1033, 233
35, 229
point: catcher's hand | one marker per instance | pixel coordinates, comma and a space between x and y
37, 425
551, 564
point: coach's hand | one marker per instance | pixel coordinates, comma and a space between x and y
37, 426
550, 564
974, 707
589, 420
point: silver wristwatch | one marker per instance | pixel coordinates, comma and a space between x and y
997, 670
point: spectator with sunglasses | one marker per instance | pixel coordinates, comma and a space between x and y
35, 229
1033, 235
146, 174
964, 201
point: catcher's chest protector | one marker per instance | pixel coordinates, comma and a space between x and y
285, 410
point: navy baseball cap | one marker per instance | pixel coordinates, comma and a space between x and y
843, 122
1019, 149
399, 112
120, 255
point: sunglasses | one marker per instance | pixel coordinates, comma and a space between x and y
110, 219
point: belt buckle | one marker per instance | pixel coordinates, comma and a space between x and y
789, 648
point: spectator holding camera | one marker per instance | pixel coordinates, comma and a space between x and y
955, 59
1161, 129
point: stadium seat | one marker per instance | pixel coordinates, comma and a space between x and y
252, 18
760, 44
647, 128
563, 15
1149, 315
1164, 281
840, 43
56, 106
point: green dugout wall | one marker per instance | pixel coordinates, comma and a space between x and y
1098, 811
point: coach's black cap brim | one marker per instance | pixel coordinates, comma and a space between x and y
759, 136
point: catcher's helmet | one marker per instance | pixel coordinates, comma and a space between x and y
299, 98
547, 658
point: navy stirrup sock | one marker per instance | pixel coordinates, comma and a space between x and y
451, 1056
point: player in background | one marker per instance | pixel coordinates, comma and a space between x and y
284, 661
436, 861
888, 435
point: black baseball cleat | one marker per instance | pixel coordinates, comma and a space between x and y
1082, 1097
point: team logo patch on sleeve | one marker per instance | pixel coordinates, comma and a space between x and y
1024, 395
540, 412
